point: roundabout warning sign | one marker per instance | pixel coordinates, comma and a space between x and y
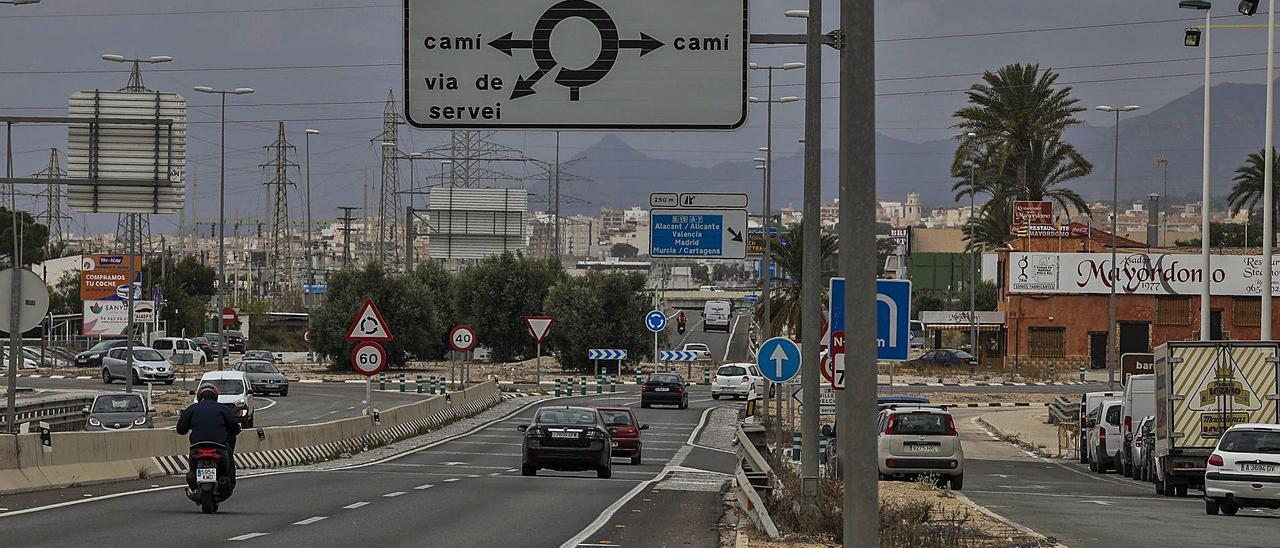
603, 64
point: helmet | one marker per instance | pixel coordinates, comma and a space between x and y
206, 391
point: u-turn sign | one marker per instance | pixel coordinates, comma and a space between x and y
893, 316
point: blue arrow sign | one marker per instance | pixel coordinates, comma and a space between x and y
701, 234
606, 354
677, 356
655, 320
779, 359
893, 316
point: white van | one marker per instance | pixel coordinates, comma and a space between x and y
717, 316
1088, 403
1104, 435
1138, 402
175, 346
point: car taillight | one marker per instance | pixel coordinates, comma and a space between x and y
1102, 434
533, 432
595, 435
645, 388
951, 426
1128, 423
679, 389
889, 426
888, 463
1215, 459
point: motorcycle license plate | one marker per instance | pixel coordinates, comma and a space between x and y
206, 475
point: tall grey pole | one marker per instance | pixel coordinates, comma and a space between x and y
135, 235
764, 185
1268, 186
1206, 314
766, 328
973, 271
222, 230
857, 436
15, 288
810, 273
1112, 343
311, 272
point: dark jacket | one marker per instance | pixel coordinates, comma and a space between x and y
208, 420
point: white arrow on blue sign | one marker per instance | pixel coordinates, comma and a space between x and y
677, 356
779, 359
893, 316
606, 354
655, 320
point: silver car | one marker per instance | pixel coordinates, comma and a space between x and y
263, 377
117, 412
258, 355
918, 440
148, 366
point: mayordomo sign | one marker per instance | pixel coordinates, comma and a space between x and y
1137, 273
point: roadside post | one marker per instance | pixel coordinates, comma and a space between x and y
538, 327
382, 381
599, 383
368, 358
706, 376
613, 384
402, 382
582, 383
419, 383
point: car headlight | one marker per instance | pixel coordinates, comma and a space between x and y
147, 368
94, 422
94, 356
140, 421
242, 413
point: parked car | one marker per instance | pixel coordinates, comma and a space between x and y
1138, 401
1104, 438
1143, 442
664, 388
919, 440
717, 315
234, 392
1088, 402
624, 432
566, 439
263, 377
204, 346
148, 366
883, 402
737, 379
944, 357
259, 355
236, 341
215, 343
93, 356
1244, 470
174, 346
117, 412
712, 288
916, 327
703, 351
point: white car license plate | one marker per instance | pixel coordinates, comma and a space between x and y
661, 389
920, 448
206, 475
569, 435
1257, 468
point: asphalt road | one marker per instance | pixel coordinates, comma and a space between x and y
1064, 500
467, 491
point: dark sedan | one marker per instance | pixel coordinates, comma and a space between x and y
567, 439
944, 357
664, 388
93, 356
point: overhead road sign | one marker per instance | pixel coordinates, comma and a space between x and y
146, 141
893, 316
462, 338
369, 325
698, 233
587, 64
539, 326
606, 354
368, 358
698, 200
655, 320
779, 359
677, 356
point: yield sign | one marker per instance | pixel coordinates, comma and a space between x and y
369, 325
539, 326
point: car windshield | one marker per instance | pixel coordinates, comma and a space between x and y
147, 355
962, 354
666, 378
104, 345
1250, 441
211, 336
922, 424
613, 417
258, 367
566, 416
257, 355
226, 387
200, 340
731, 371
122, 403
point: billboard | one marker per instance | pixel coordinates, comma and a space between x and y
107, 318
1137, 273
1029, 213
132, 147
105, 277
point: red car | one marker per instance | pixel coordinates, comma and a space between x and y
624, 430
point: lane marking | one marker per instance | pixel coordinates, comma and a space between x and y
310, 520
1071, 469
267, 406
247, 536
495, 474
424, 486
394, 494
729, 344
355, 505
451, 480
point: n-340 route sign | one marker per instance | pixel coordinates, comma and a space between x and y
698, 233
600, 64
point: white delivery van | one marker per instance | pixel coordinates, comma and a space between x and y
1138, 402
1089, 402
717, 316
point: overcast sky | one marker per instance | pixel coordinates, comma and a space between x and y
928, 50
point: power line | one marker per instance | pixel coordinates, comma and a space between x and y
200, 12
202, 69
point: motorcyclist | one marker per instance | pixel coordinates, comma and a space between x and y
680, 321
210, 421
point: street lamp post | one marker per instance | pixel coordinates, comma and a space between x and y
311, 269
222, 214
1112, 346
1249, 7
1205, 311
973, 261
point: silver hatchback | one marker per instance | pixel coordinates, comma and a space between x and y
919, 440
117, 412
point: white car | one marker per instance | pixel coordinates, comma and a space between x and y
233, 391
737, 379
704, 352
916, 440
1244, 470
176, 346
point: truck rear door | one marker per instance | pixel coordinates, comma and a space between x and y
1216, 386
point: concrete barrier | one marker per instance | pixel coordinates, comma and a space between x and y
88, 457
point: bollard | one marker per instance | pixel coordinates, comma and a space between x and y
1082, 373
639, 379
795, 445
431, 384
402, 382
583, 384
382, 381
599, 384
822, 450
557, 388
613, 384
706, 376
419, 383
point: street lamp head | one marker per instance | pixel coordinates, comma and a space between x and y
797, 13
388, 144
201, 89
971, 135
788, 99
415, 154
1130, 108
752, 66
792, 66
760, 159
21, 2
310, 131
761, 167
243, 91
753, 99
1195, 4
1192, 38
1248, 7
160, 59
113, 57
763, 149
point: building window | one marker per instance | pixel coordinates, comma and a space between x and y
1173, 310
1047, 342
1246, 311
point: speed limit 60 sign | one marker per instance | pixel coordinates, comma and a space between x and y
462, 338
368, 358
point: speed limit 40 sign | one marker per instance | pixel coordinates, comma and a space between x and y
462, 338
368, 358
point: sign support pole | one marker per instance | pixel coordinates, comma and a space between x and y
811, 321
15, 293
368, 396
538, 368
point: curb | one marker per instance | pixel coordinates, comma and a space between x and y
936, 384
993, 404
991, 514
1026, 446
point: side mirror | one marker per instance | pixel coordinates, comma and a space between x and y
522, 427
644, 427
827, 431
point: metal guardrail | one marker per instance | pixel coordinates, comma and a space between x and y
1064, 411
754, 471
63, 413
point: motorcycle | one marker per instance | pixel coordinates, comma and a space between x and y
209, 477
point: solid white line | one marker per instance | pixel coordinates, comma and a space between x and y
267, 406
310, 520
355, 505
395, 494
729, 344
424, 486
248, 536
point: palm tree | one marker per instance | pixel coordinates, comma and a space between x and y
1011, 111
991, 226
1247, 192
784, 295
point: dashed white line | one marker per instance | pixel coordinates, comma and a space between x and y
424, 486
310, 520
355, 505
495, 474
473, 475
248, 536
512, 470
394, 494
451, 480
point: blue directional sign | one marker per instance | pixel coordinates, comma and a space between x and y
606, 354
779, 359
698, 233
677, 356
655, 320
893, 316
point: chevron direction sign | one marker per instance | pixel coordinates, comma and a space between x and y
677, 356
606, 354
